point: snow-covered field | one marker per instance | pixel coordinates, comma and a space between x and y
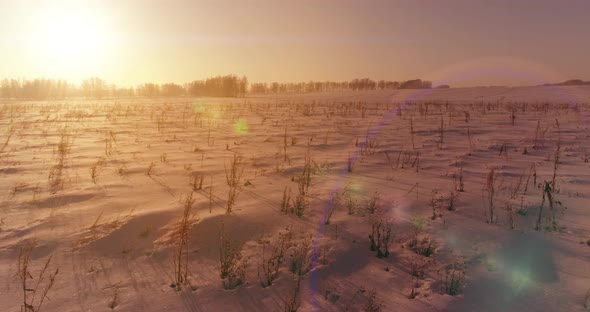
101, 187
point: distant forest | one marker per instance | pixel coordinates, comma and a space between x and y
220, 86
572, 82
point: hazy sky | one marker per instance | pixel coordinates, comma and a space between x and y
460, 42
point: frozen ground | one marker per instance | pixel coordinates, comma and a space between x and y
99, 185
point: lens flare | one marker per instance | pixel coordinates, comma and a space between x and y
520, 279
241, 127
199, 106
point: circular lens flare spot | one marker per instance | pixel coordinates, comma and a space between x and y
199, 106
241, 127
520, 279
419, 222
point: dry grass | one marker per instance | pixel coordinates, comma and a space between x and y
114, 300
555, 208
452, 277
286, 206
350, 163
95, 170
301, 258
351, 204
9, 134
181, 241
151, 169
373, 203
232, 266
301, 203
233, 176
381, 237
333, 202
195, 180
37, 290
489, 194
296, 258
418, 243
291, 304
56, 172
269, 267
372, 304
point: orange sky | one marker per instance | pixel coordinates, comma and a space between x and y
460, 42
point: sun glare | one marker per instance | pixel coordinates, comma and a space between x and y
70, 39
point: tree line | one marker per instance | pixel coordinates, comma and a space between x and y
322, 86
220, 86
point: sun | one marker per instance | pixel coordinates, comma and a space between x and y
69, 39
